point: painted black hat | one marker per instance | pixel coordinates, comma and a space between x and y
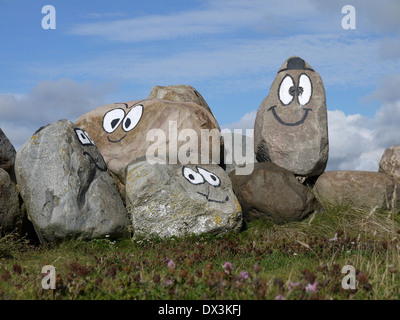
296, 63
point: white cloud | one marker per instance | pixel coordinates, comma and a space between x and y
246, 122
237, 64
49, 101
355, 142
352, 144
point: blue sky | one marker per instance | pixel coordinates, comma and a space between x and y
230, 51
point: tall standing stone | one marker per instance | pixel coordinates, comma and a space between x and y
291, 128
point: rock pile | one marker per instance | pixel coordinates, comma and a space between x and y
158, 167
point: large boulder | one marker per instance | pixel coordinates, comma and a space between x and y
273, 193
123, 131
10, 211
65, 185
167, 200
390, 162
362, 189
291, 127
7, 155
179, 93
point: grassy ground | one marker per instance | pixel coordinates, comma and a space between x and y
301, 260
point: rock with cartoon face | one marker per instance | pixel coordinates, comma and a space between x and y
124, 132
65, 186
179, 93
291, 128
167, 200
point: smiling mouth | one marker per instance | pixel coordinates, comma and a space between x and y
211, 200
115, 141
301, 121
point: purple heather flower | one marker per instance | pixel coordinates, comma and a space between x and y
171, 263
280, 297
244, 275
335, 238
227, 267
293, 285
167, 282
312, 287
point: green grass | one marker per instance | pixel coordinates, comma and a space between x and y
279, 261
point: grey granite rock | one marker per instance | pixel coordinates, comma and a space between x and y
10, 211
175, 200
65, 185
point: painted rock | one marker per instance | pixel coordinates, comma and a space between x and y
273, 193
10, 212
123, 131
179, 93
7, 155
291, 128
361, 189
65, 186
167, 200
390, 162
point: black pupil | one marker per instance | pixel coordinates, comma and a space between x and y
83, 136
127, 123
114, 122
214, 178
191, 177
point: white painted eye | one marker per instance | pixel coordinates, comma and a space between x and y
83, 137
192, 176
132, 118
286, 90
112, 119
305, 89
210, 177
